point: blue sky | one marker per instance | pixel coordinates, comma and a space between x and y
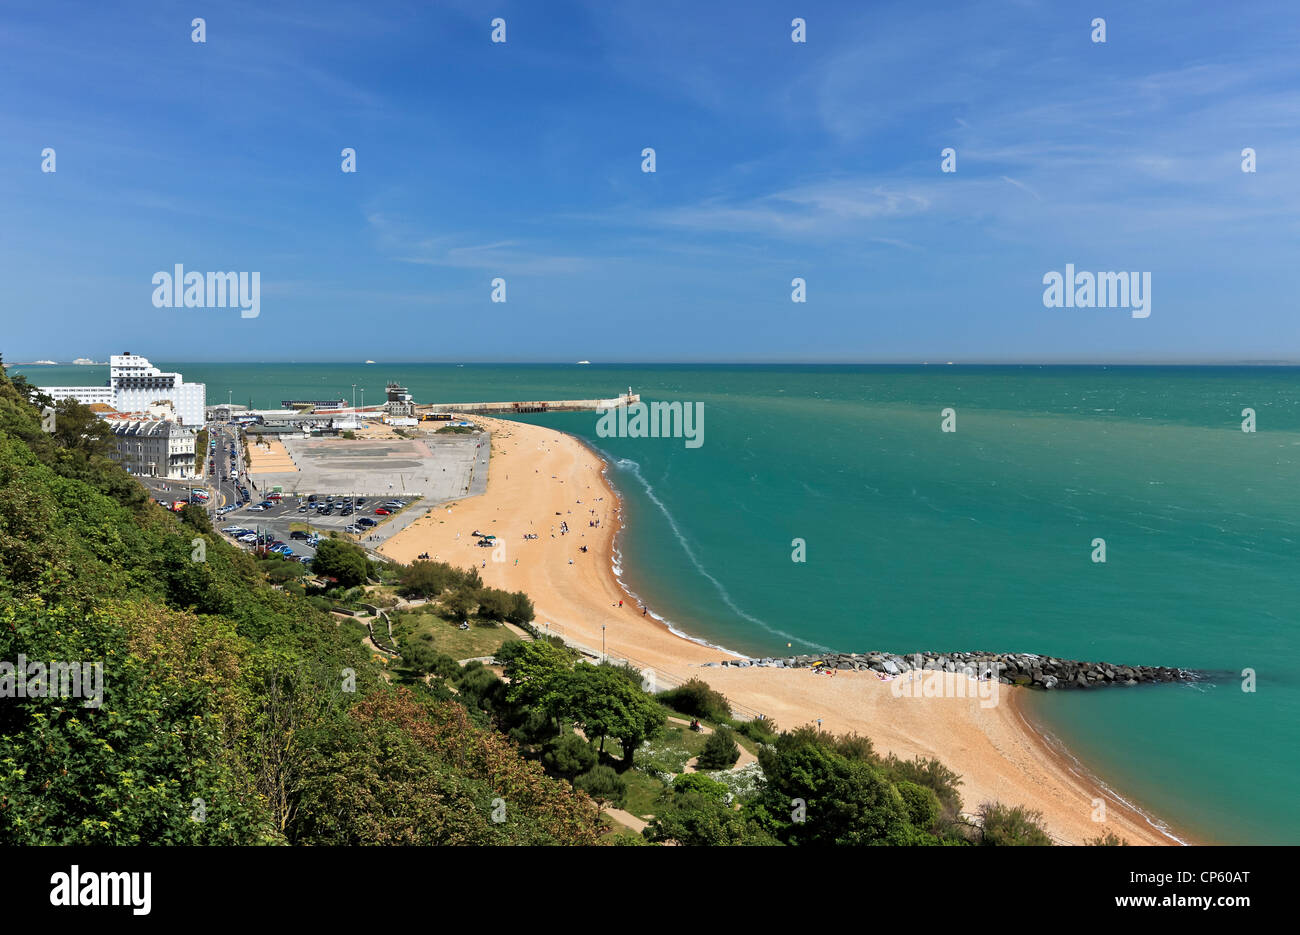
774, 160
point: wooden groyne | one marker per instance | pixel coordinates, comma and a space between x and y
536, 405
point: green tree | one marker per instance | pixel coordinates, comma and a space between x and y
521, 609
494, 604
845, 801
696, 698
929, 773
607, 704
196, 517
342, 561
425, 579
921, 803
720, 751
460, 604
532, 667
699, 783
568, 755
604, 785
1014, 826
426, 660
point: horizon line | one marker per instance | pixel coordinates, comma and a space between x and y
977, 362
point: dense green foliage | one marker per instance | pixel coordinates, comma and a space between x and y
343, 561
232, 712
462, 593
696, 698
720, 751
1012, 826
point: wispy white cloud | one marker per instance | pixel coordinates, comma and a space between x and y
405, 244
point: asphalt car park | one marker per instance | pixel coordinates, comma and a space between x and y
342, 514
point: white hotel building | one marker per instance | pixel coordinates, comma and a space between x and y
134, 384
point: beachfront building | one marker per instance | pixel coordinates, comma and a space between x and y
135, 384
400, 402
153, 448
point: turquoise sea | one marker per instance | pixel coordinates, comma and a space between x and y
976, 539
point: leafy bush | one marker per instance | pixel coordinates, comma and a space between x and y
568, 756
699, 783
759, 730
603, 784
929, 773
698, 699
923, 808
342, 561
720, 751
1016, 826
427, 660
1109, 839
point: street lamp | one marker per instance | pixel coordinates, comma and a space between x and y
354, 396
603, 657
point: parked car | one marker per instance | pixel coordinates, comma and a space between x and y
366, 521
248, 537
303, 509
383, 512
256, 508
298, 534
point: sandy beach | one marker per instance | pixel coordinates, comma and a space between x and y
541, 479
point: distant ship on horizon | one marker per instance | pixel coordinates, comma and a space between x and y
85, 362
584, 361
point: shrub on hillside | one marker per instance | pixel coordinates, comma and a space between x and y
1016, 826
1109, 839
720, 751
603, 784
929, 773
568, 756
923, 808
697, 698
342, 561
